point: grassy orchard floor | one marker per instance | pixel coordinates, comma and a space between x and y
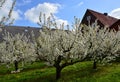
80, 72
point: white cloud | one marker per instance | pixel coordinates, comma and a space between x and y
79, 4
4, 10
60, 21
115, 13
46, 8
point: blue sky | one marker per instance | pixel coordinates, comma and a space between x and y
26, 12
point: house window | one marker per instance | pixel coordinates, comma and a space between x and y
26, 30
95, 24
88, 18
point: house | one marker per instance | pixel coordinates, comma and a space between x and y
103, 20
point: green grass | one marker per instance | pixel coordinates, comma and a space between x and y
80, 72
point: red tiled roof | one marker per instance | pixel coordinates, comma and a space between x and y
106, 20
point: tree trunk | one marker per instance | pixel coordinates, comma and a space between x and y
58, 73
16, 65
94, 65
58, 67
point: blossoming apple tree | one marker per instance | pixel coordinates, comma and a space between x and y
60, 47
16, 48
102, 45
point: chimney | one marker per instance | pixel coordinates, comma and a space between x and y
105, 14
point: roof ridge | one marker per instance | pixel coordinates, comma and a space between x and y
106, 20
101, 13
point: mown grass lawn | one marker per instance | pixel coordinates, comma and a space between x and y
80, 72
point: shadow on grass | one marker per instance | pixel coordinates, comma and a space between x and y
47, 78
70, 73
36, 65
